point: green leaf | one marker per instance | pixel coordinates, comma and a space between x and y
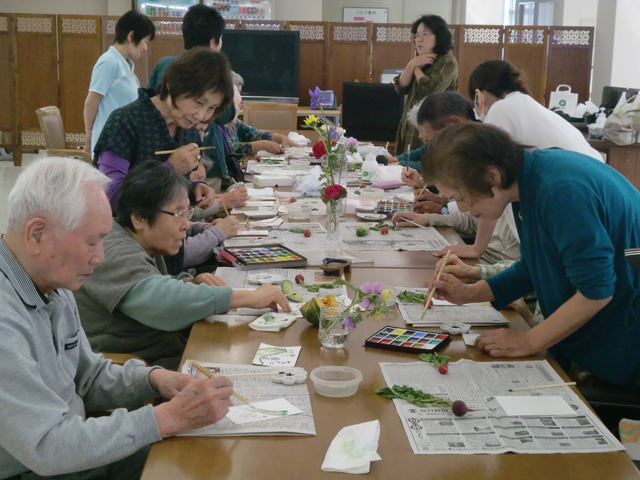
411, 297
414, 396
434, 359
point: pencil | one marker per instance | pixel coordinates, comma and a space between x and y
412, 223
386, 147
224, 207
552, 385
234, 181
433, 289
164, 152
206, 372
422, 191
258, 374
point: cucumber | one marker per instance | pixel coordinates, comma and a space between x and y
362, 230
289, 292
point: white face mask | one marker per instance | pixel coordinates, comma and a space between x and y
479, 116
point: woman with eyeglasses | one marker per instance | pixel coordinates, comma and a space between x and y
131, 304
433, 69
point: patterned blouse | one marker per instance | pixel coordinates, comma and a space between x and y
241, 135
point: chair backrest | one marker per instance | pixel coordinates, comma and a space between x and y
52, 128
271, 116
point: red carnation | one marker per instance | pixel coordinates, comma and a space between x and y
333, 192
319, 150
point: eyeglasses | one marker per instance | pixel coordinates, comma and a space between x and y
421, 35
185, 214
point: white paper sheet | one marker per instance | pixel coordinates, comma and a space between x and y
521, 406
276, 356
259, 412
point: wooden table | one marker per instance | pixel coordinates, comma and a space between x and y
301, 457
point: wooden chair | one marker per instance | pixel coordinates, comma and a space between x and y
54, 137
271, 116
121, 358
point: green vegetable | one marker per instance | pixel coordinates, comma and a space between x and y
289, 292
411, 297
415, 397
362, 230
434, 359
297, 230
381, 224
315, 287
357, 192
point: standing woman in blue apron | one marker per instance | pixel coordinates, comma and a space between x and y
113, 83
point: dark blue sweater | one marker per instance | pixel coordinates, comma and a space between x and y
575, 218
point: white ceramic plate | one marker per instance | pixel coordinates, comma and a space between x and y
366, 206
265, 278
261, 213
371, 216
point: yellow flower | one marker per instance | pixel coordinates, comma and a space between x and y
311, 120
386, 294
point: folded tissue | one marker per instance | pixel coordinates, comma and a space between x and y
353, 449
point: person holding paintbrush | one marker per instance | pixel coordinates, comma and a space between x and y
195, 87
58, 215
574, 259
132, 303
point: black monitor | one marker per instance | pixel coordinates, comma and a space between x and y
611, 96
269, 62
371, 111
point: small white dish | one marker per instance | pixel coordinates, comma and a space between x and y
371, 216
366, 206
265, 278
455, 328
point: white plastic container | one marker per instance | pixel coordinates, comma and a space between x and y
336, 381
369, 168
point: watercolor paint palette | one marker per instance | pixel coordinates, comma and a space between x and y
263, 256
391, 207
407, 340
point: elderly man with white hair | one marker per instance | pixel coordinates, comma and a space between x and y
58, 215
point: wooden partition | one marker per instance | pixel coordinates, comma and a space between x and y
7, 83
569, 60
349, 55
79, 46
526, 49
273, 25
476, 44
168, 42
313, 55
391, 47
37, 73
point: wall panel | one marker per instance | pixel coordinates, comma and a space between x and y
313, 56
476, 44
349, 55
391, 48
526, 49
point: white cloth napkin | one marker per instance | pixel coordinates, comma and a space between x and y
299, 139
353, 449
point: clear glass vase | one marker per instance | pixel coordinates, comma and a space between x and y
334, 209
331, 333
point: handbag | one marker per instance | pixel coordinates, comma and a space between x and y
564, 100
620, 125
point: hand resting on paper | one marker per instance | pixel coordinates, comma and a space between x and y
504, 342
429, 202
266, 145
206, 279
168, 383
459, 269
462, 251
265, 296
418, 218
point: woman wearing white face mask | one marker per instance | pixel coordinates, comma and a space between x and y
502, 99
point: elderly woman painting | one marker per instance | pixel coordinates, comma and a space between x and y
575, 216
131, 304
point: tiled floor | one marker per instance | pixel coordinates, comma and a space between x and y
8, 175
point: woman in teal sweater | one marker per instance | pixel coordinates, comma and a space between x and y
575, 217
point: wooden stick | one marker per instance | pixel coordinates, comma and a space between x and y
224, 207
422, 191
234, 181
433, 289
164, 152
206, 372
552, 385
386, 147
412, 223
258, 374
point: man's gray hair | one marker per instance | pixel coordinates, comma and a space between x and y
237, 79
56, 185
412, 114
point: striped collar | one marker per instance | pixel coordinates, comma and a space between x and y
20, 281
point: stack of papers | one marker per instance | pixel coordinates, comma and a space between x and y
274, 322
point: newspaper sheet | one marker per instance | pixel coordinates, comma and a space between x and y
476, 314
427, 239
489, 429
259, 389
236, 278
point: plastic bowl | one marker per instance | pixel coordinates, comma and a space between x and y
335, 381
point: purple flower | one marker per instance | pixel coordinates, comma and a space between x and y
352, 143
315, 98
365, 303
348, 323
366, 288
333, 132
378, 287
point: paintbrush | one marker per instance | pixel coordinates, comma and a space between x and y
206, 372
164, 152
433, 289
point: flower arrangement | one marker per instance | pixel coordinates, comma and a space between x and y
367, 300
